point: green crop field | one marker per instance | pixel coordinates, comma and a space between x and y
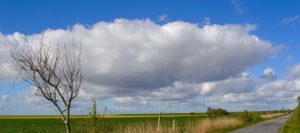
53, 124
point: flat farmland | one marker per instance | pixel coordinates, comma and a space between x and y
53, 124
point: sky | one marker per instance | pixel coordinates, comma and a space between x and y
160, 55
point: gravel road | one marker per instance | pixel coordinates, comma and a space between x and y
269, 126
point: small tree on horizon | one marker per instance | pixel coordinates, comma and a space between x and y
54, 73
209, 111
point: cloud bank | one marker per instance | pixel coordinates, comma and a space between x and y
128, 60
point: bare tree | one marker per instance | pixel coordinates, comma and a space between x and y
53, 71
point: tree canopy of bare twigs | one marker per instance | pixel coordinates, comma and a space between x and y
53, 71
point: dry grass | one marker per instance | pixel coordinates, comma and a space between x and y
269, 116
148, 128
207, 125
203, 126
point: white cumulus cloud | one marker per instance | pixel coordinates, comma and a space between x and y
128, 60
269, 73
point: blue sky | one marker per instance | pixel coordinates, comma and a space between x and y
35, 16
276, 22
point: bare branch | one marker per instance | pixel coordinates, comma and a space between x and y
54, 72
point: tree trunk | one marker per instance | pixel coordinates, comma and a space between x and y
67, 126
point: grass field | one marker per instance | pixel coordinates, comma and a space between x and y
36, 124
107, 116
293, 124
53, 124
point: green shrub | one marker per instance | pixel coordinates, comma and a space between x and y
250, 117
96, 123
221, 112
216, 112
